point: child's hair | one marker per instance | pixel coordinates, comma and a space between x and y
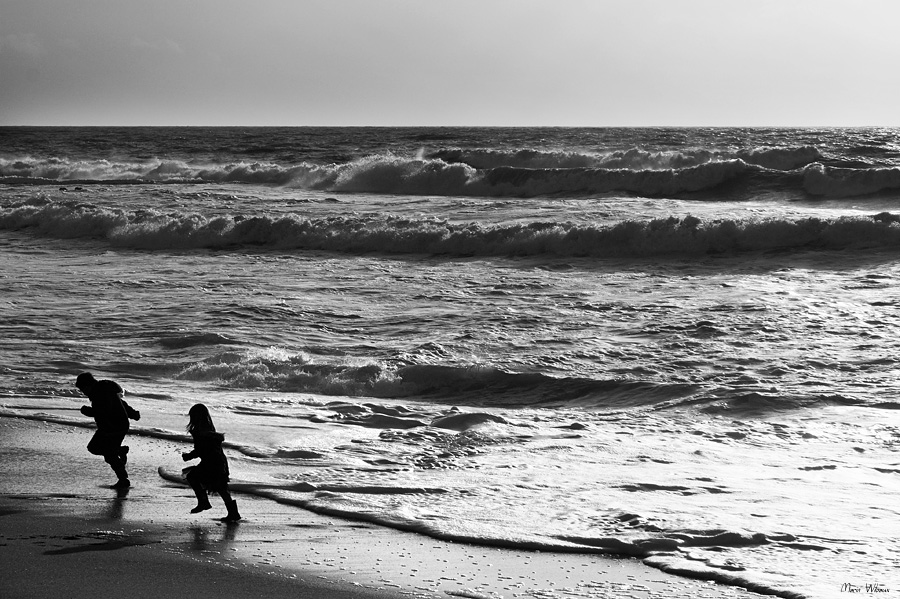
200, 420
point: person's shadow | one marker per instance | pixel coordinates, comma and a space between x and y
116, 508
201, 539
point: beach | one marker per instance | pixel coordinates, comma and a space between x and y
588, 350
63, 530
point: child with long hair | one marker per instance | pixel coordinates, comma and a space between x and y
211, 474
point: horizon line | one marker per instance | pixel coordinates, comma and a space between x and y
433, 126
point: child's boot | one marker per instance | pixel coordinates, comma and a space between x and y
233, 514
203, 503
201, 507
122, 474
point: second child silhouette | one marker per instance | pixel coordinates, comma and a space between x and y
211, 475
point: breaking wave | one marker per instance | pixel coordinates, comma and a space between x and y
485, 173
489, 172
784, 159
849, 182
156, 230
477, 385
283, 371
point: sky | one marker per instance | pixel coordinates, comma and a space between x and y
450, 62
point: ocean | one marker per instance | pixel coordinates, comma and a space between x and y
679, 345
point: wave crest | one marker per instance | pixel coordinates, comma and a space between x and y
275, 369
821, 180
632, 159
483, 173
515, 181
149, 229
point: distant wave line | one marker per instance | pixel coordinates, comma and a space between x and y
487, 173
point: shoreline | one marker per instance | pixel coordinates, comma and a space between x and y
62, 527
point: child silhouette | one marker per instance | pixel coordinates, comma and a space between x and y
111, 413
211, 474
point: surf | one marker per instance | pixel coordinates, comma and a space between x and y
167, 230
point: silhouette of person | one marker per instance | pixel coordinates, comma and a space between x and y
211, 475
111, 413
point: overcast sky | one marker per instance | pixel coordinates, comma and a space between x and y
450, 62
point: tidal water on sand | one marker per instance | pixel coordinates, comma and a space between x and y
673, 344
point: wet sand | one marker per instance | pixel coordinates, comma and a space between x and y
64, 531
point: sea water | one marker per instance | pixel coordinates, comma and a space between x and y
673, 344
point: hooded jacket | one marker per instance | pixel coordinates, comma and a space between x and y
108, 408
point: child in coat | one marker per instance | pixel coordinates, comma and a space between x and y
111, 413
211, 474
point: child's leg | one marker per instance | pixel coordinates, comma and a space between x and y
117, 464
97, 444
109, 446
231, 505
202, 498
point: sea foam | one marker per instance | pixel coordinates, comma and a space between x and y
158, 230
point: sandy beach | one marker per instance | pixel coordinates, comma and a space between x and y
63, 528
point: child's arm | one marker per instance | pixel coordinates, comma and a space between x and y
132, 413
189, 455
87, 410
